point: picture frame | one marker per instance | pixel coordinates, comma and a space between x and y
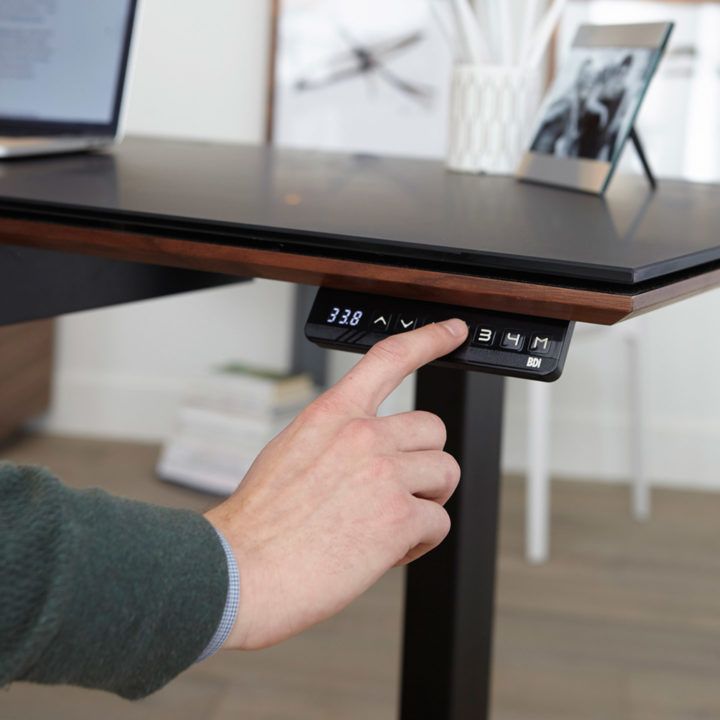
589, 113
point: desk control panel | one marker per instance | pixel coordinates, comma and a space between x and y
499, 343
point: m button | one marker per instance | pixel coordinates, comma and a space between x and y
540, 344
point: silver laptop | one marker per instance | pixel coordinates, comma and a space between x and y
63, 71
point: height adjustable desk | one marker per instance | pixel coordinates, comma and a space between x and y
391, 242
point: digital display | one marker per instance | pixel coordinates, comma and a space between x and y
350, 317
502, 343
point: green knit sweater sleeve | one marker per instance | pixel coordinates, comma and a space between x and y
99, 591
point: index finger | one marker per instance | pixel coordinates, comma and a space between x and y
390, 361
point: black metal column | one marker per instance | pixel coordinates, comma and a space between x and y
449, 603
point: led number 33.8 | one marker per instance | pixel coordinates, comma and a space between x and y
344, 316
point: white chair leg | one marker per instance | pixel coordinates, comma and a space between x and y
537, 496
636, 437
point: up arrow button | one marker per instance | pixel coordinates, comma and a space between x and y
381, 322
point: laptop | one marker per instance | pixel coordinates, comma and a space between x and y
63, 71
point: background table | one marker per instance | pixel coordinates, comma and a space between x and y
156, 218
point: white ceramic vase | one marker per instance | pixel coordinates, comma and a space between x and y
492, 113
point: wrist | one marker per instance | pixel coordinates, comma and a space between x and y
256, 603
226, 631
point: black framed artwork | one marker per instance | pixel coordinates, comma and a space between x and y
360, 76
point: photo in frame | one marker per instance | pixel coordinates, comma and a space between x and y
590, 110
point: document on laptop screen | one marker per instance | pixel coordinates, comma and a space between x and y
60, 60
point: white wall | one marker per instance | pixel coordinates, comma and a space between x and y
200, 72
121, 371
201, 69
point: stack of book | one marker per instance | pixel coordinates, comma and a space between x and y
226, 420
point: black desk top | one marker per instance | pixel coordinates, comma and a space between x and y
394, 211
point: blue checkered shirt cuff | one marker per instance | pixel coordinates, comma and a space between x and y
231, 603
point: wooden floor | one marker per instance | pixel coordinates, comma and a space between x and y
623, 624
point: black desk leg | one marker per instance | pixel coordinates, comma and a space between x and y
449, 603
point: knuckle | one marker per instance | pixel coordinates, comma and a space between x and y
396, 508
320, 409
443, 524
452, 472
361, 431
384, 467
435, 426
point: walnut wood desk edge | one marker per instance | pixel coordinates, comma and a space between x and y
592, 306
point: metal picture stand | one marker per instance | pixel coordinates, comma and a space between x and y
640, 150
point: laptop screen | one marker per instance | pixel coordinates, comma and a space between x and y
63, 62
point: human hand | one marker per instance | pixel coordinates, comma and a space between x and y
340, 496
